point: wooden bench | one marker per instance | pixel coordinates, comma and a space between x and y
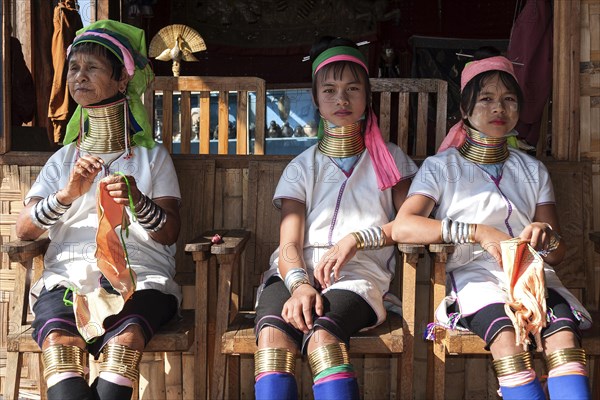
571, 182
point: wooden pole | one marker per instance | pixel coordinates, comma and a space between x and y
5, 134
565, 92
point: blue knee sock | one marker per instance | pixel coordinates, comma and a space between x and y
345, 388
530, 391
571, 387
276, 386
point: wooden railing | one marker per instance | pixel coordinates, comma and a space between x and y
203, 86
411, 113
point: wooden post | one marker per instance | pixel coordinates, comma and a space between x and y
5, 96
565, 91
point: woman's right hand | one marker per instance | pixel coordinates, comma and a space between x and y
81, 179
298, 310
489, 238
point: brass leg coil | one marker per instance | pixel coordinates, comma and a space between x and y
60, 358
513, 364
274, 360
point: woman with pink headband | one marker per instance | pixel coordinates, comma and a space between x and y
96, 294
475, 193
335, 259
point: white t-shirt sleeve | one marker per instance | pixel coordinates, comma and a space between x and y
293, 181
164, 177
427, 180
406, 166
546, 189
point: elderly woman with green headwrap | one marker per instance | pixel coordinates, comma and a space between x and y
101, 293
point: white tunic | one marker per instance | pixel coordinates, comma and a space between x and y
466, 193
70, 259
338, 203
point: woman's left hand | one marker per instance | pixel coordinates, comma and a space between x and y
334, 260
117, 189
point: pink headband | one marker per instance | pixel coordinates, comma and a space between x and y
475, 68
457, 134
127, 57
342, 57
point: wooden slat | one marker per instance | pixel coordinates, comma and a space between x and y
167, 132
204, 132
223, 113
441, 111
423, 106
385, 114
185, 127
403, 120
242, 123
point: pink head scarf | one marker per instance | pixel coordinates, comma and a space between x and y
385, 167
457, 134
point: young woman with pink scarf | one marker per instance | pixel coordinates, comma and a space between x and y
480, 192
335, 258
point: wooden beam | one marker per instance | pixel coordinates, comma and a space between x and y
565, 92
5, 134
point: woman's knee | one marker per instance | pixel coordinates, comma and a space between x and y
270, 337
563, 339
321, 337
504, 344
132, 336
63, 338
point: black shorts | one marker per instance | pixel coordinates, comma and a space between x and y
147, 308
490, 320
344, 313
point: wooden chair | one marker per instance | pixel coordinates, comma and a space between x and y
186, 336
395, 337
394, 99
573, 190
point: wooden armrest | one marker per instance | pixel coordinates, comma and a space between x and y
203, 242
595, 237
234, 242
24, 250
446, 248
410, 248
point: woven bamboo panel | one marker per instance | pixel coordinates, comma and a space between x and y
15, 181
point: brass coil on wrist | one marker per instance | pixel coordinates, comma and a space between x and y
274, 360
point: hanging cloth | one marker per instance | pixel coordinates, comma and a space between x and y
531, 45
67, 22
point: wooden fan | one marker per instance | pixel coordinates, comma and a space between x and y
176, 42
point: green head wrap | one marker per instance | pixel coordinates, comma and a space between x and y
128, 44
339, 53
